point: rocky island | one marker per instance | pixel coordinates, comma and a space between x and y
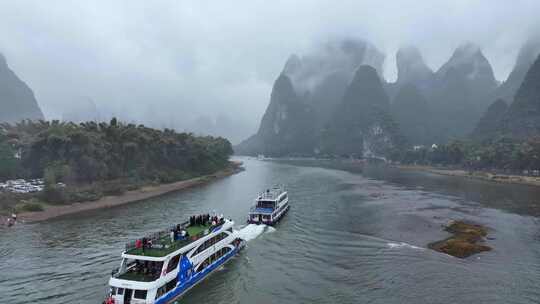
467, 239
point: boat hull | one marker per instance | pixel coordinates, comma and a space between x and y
181, 290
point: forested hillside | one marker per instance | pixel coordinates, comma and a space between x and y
94, 159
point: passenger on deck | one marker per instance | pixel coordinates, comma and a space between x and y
172, 235
146, 244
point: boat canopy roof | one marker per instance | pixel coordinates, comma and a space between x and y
272, 194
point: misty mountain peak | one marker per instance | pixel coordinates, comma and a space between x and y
17, 100
366, 75
283, 88
469, 61
366, 88
527, 54
293, 65
467, 49
411, 66
336, 57
3, 63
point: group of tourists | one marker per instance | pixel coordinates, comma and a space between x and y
205, 220
144, 243
178, 233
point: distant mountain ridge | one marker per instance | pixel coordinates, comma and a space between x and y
17, 101
424, 106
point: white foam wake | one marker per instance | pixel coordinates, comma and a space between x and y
403, 245
252, 231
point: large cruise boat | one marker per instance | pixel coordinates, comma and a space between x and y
161, 267
270, 206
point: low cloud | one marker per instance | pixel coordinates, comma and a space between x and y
169, 62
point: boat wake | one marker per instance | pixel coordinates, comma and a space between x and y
392, 245
252, 231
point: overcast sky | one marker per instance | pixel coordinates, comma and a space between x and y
176, 60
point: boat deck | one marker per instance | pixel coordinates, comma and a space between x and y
164, 246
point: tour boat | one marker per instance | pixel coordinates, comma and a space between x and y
163, 266
270, 206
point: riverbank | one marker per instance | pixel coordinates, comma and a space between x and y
480, 175
143, 193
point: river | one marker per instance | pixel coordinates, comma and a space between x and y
348, 238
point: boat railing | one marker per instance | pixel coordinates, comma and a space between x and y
155, 237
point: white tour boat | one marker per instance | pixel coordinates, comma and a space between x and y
162, 267
270, 206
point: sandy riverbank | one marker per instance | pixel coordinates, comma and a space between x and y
481, 175
128, 197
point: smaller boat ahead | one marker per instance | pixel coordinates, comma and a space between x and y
270, 206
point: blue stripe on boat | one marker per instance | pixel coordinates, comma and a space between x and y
180, 289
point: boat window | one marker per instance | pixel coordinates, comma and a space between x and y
210, 242
161, 291
283, 198
140, 294
173, 263
172, 284
214, 257
265, 204
120, 291
140, 270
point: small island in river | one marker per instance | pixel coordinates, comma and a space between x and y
467, 239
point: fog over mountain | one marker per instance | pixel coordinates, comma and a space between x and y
209, 67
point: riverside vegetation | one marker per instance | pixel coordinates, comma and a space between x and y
93, 160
